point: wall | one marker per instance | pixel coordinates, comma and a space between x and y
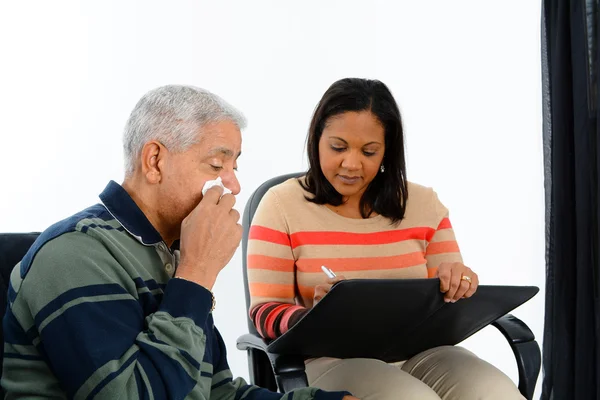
466, 75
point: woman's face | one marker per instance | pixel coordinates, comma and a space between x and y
351, 151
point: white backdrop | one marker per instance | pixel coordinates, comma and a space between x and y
466, 75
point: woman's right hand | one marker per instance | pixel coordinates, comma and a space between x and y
324, 288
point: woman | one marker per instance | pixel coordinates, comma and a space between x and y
356, 213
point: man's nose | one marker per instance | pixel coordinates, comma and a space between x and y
231, 182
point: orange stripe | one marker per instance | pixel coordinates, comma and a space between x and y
348, 238
257, 261
308, 292
442, 247
432, 272
445, 224
280, 291
361, 264
265, 234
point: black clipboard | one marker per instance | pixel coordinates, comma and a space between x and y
394, 319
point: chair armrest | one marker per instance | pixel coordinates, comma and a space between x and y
513, 329
288, 369
251, 341
526, 350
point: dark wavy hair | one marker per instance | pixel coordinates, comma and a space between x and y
387, 193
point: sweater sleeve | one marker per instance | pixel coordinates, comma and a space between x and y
77, 312
271, 267
442, 247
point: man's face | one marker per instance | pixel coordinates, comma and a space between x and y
184, 174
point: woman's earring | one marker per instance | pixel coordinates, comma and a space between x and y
382, 168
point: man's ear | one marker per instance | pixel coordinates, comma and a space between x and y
152, 156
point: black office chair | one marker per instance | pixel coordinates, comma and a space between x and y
285, 372
13, 247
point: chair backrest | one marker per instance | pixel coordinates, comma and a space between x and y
13, 247
249, 211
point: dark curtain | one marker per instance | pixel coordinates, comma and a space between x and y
570, 94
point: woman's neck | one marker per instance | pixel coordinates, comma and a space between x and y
350, 208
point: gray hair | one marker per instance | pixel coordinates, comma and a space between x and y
173, 115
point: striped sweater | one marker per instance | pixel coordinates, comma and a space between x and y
93, 313
291, 238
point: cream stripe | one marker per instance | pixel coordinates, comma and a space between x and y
421, 210
271, 216
360, 251
268, 276
414, 272
322, 219
260, 247
443, 235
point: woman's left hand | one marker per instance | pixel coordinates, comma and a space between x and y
457, 281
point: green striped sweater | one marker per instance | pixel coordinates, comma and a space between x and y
93, 313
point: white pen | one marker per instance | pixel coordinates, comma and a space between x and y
328, 272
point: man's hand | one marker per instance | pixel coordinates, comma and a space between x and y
457, 281
350, 398
324, 288
209, 236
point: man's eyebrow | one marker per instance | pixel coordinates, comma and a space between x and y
224, 151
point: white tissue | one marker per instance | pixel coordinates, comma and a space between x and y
216, 182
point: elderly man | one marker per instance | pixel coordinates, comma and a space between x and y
115, 301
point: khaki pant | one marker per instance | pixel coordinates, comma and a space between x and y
447, 372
